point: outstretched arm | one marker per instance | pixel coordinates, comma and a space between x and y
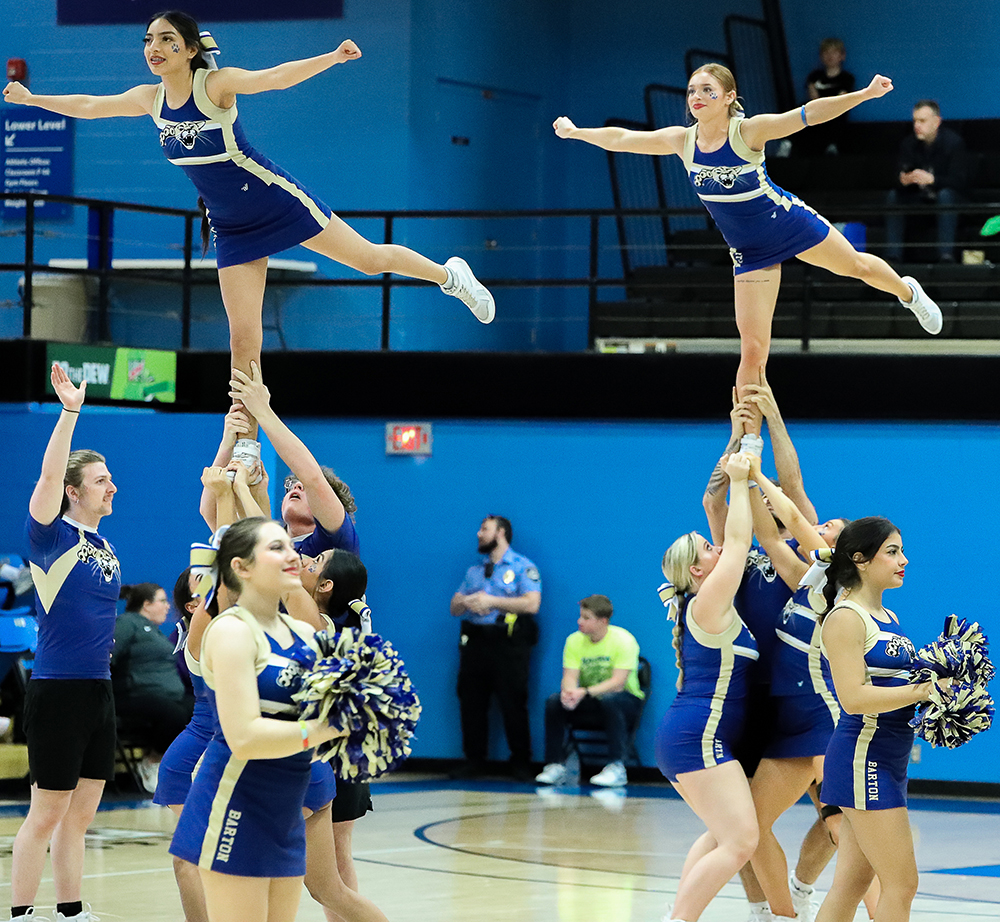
662, 141
714, 499
759, 129
715, 596
786, 460
326, 507
46, 498
225, 84
133, 102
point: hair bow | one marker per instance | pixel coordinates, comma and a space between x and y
668, 596
815, 576
361, 609
204, 565
209, 49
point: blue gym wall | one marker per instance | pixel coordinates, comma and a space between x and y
593, 504
377, 133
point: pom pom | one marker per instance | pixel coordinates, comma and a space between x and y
359, 685
961, 653
953, 718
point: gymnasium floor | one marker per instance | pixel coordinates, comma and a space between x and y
437, 851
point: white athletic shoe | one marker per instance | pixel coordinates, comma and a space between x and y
86, 916
802, 901
924, 309
29, 916
611, 776
469, 290
752, 444
761, 913
553, 773
149, 772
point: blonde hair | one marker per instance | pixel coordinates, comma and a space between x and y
676, 565
78, 460
725, 76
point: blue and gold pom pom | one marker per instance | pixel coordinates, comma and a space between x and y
359, 685
953, 717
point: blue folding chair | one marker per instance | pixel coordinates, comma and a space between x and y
18, 638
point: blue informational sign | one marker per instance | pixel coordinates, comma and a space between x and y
37, 157
207, 12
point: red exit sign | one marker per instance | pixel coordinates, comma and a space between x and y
408, 438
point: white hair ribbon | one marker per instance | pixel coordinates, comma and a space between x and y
668, 596
205, 566
361, 609
209, 49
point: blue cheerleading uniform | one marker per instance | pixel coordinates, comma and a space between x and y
805, 706
255, 208
705, 719
244, 817
759, 601
178, 764
868, 754
762, 223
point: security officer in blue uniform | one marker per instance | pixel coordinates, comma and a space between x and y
497, 602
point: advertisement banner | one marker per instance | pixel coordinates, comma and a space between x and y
117, 372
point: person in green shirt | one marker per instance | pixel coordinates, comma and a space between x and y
600, 687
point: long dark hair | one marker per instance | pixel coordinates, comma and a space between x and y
862, 536
350, 581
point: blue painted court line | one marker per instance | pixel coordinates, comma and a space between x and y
985, 870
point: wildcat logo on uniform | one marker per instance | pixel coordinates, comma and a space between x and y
100, 558
725, 176
896, 646
762, 563
185, 132
289, 675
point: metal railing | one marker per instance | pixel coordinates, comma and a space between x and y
99, 264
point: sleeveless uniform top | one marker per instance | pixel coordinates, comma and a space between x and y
888, 659
279, 670
256, 209
77, 582
868, 754
759, 601
798, 666
204, 721
716, 666
762, 223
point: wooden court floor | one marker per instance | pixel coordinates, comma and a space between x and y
437, 851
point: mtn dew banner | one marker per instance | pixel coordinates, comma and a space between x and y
119, 373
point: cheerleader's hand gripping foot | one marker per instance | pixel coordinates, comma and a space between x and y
462, 284
924, 309
752, 444
248, 452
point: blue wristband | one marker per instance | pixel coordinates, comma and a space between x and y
802, 112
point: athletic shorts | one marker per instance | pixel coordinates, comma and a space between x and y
71, 732
352, 802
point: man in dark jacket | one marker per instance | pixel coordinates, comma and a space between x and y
933, 169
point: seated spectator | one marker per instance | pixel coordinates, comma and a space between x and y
933, 169
150, 697
829, 80
600, 687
